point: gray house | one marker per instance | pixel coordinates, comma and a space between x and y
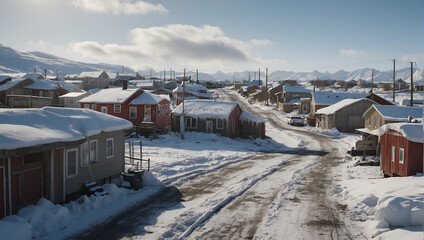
91, 80
54, 152
345, 115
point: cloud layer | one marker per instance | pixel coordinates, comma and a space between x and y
351, 52
118, 6
183, 44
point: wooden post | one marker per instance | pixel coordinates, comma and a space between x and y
148, 164
129, 151
138, 163
141, 151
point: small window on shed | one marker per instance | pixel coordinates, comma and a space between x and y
219, 123
401, 155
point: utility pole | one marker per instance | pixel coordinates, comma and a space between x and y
412, 84
164, 74
123, 70
259, 76
45, 73
150, 73
394, 78
170, 74
182, 121
197, 76
372, 79
266, 86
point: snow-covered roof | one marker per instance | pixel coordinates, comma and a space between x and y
366, 130
397, 113
144, 83
194, 89
74, 94
43, 84
21, 128
33, 76
205, 109
246, 116
110, 95
411, 131
297, 89
147, 98
329, 98
95, 74
67, 85
339, 105
11, 83
3, 77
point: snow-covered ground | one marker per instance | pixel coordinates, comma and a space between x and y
386, 208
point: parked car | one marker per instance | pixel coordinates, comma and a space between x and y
296, 121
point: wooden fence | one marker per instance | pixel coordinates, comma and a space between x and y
137, 162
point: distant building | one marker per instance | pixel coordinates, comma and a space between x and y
90, 80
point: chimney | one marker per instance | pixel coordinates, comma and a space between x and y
124, 85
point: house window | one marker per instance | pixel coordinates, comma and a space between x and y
87, 106
93, 151
329, 122
147, 110
84, 154
93, 106
71, 162
379, 122
401, 155
109, 148
103, 109
375, 121
219, 123
191, 122
159, 109
117, 108
166, 110
393, 153
133, 112
369, 121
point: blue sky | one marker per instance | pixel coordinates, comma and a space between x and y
224, 35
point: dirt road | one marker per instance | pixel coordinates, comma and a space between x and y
238, 200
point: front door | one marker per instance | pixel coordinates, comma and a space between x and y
147, 114
209, 126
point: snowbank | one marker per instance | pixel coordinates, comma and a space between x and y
383, 205
54, 221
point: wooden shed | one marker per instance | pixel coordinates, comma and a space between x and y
401, 149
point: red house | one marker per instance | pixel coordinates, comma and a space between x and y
401, 149
132, 104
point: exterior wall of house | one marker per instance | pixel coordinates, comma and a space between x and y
350, 117
234, 118
288, 96
413, 155
304, 107
373, 120
163, 119
103, 169
100, 82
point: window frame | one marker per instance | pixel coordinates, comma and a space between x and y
67, 162
135, 112
217, 123
97, 151
191, 123
115, 106
113, 147
166, 109
86, 106
401, 155
393, 154
159, 109
85, 154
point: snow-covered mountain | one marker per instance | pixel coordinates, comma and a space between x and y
14, 61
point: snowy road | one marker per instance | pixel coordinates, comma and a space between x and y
269, 195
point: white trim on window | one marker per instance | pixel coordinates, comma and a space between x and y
393, 154
117, 108
217, 123
133, 112
68, 161
111, 152
103, 109
401, 156
94, 152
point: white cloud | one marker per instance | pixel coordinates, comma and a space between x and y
118, 6
412, 58
351, 52
176, 46
257, 42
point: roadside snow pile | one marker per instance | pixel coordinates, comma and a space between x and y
54, 221
385, 206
